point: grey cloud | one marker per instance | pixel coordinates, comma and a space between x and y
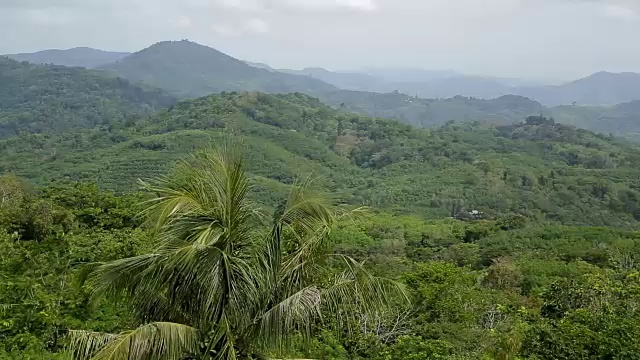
528, 38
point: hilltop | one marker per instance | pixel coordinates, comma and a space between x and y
81, 56
186, 69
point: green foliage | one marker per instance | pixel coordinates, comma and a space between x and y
218, 284
55, 99
415, 348
44, 238
551, 172
515, 241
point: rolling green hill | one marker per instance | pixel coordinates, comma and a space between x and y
54, 99
539, 169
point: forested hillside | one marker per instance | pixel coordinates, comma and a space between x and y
435, 112
538, 169
54, 99
506, 236
475, 221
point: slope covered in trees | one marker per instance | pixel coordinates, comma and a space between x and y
498, 234
513, 287
54, 99
538, 168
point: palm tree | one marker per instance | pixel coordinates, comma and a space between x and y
224, 283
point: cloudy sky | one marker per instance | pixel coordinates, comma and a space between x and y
550, 39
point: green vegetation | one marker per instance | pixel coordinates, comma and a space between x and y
216, 285
538, 169
186, 69
55, 99
481, 289
511, 241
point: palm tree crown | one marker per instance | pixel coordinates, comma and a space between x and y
223, 283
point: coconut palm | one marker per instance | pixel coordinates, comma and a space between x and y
223, 282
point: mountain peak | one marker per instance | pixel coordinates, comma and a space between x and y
189, 69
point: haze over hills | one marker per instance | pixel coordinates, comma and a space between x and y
81, 56
602, 88
212, 71
186, 69
180, 203
621, 120
598, 89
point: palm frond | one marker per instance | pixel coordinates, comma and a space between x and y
292, 314
119, 276
205, 201
357, 290
84, 344
155, 341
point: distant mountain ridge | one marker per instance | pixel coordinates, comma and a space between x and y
228, 73
601, 88
81, 56
186, 69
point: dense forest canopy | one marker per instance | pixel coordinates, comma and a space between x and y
479, 289
538, 168
54, 99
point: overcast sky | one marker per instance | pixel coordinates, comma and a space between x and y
519, 38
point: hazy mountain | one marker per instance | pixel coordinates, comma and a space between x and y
602, 88
598, 89
434, 112
187, 69
423, 83
80, 56
412, 75
620, 120
54, 99
260, 65
345, 80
